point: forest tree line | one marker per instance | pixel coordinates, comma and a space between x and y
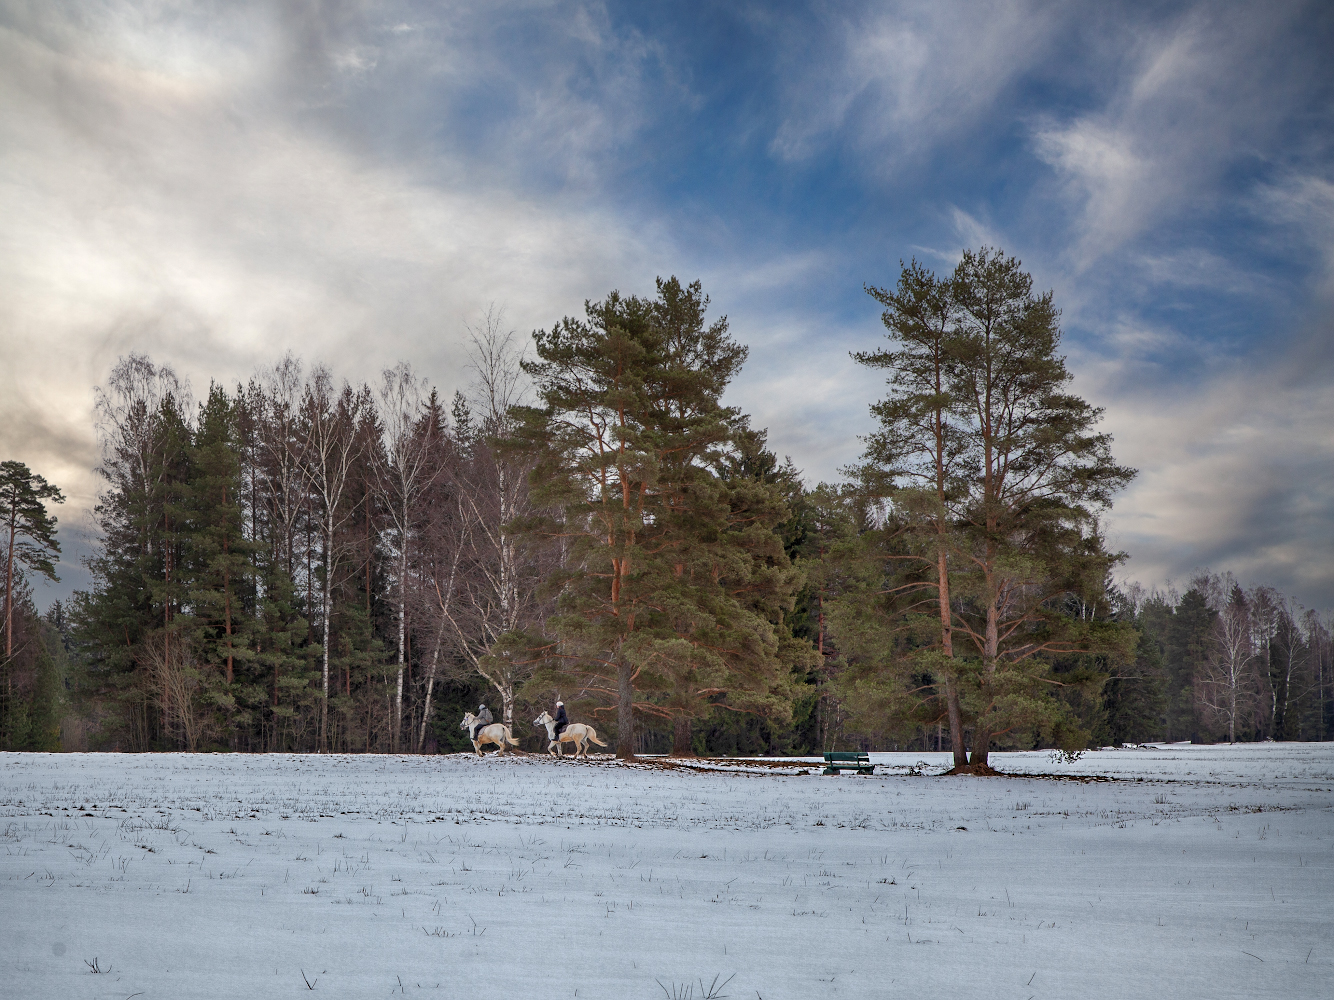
299, 564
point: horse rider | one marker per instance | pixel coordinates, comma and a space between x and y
562, 720
483, 719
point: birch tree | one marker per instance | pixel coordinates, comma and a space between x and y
331, 448
144, 431
405, 469
277, 396
494, 595
1225, 687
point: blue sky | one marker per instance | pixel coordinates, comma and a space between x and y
359, 181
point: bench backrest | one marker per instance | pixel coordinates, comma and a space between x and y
833, 755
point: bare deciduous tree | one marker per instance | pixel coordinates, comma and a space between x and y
405, 470
1226, 686
175, 673
492, 597
332, 446
277, 399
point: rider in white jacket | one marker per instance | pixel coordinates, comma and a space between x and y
483, 718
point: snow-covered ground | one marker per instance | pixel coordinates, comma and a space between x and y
1198, 872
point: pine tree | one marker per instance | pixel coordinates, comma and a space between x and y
918, 456
666, 578
1040, 476
29, 531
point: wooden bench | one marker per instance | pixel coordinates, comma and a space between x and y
841, 760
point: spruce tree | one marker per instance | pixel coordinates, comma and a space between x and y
1187, 642
222, 570
142, 512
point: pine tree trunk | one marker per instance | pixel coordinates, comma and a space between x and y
681, 737
625, 712
952, 708
956, 724
990, 650
227, 604
9, 591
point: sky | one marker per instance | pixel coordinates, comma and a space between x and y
217, 184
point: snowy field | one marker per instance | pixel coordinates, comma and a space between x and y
1196, 872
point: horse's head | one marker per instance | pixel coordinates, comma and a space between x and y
542, 719
468, 720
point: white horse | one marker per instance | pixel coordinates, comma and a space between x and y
495, 733
576, 732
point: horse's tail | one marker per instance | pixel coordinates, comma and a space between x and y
593, 735
510, 737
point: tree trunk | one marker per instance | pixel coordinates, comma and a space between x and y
430, 688
1232, 713
227, 604
956, 724
9, 591
625, 712
402, 628
166, 622
681, 737
990, 649
947, 647
328, 596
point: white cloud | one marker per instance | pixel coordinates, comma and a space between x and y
1304, 204
153, 202
902, 78
1201, 93
1100, 162
1236, 472
354, 182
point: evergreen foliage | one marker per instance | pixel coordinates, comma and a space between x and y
303, 565
673, 583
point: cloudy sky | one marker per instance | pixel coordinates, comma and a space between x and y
215, 184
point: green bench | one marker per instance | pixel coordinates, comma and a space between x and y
842, 760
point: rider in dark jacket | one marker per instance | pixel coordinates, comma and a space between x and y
562, 720
483, 719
